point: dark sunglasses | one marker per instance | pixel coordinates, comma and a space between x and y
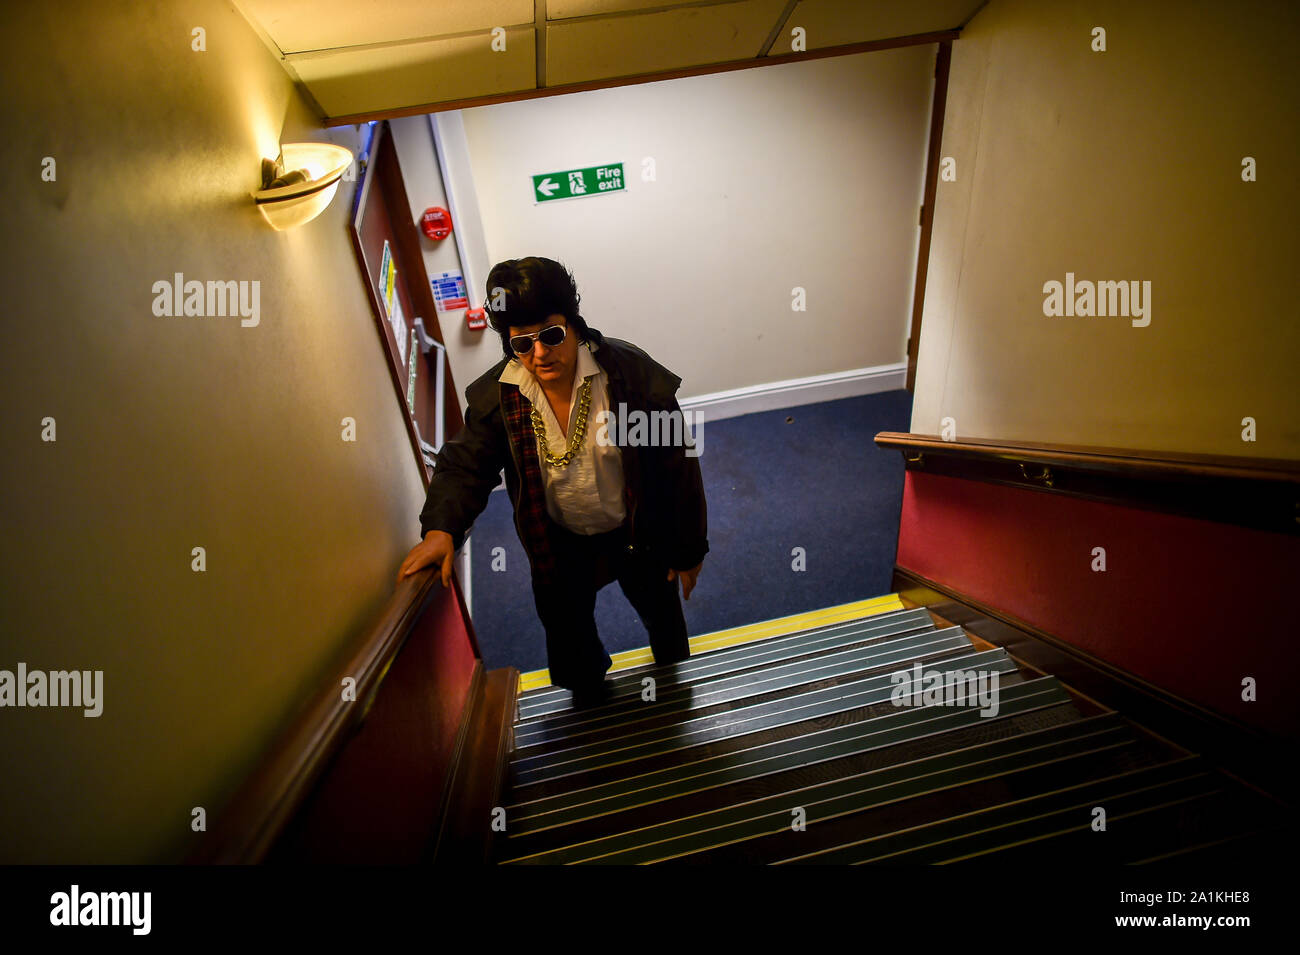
550, 336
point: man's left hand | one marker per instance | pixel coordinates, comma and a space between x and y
687, 578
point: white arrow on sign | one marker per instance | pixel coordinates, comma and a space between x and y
546, 187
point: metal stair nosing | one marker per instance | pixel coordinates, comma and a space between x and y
902, 726
725, 689
545, 701
1080, 796
846, 795
742, 720
1133, 832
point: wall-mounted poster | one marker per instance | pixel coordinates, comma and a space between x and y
449, 291
398, 320
388, 278
392, 301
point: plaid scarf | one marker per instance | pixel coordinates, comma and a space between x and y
534, 521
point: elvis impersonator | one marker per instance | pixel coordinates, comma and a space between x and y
587, 511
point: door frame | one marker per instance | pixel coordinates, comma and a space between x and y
381, 170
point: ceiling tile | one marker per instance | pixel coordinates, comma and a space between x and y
300, 25
414, 74
837, 22
559, 9
671, 39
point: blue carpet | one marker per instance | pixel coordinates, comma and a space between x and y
809, 477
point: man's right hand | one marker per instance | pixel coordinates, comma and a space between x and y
435, 548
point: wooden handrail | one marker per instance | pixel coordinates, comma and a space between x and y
1260, 493
1117, 461
249, 824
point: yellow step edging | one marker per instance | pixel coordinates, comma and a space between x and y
746, 634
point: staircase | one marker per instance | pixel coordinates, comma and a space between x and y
793, 749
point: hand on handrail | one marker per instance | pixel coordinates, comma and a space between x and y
436, 548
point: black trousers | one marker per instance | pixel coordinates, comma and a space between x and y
575, 655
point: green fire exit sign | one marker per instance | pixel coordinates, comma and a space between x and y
576, 183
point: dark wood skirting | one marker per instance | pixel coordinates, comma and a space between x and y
1253, 755
1259, 493
466, 835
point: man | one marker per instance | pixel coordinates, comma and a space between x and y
587, 512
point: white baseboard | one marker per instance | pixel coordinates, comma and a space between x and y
792, 393
798, 391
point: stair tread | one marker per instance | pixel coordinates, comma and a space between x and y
879, 725
738, 737
674, 701
853, 782
749, 718
548, 700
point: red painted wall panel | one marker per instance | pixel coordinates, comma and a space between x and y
442, 626
1186, 604
378, 802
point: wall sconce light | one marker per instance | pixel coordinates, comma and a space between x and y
299, 183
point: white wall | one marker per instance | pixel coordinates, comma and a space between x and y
174, 432
1118, 165
807, 174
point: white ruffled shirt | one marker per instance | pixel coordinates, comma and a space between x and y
586, 495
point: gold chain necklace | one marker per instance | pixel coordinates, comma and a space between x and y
579, 429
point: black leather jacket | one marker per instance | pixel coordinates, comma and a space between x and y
666, 511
